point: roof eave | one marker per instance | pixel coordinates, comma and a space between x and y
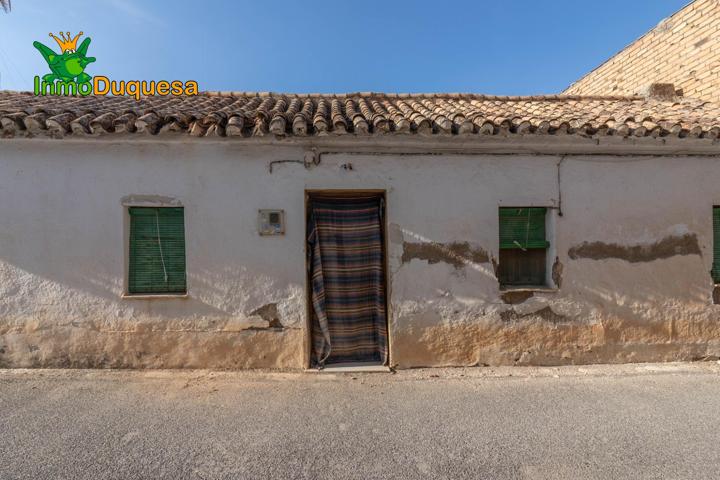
417, 144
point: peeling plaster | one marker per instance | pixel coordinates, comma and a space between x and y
667, 247
515, 297
150, 201
68, 347
557, 271
529, 342
495, 265
545, 314
395, 233
269, 313
457, 254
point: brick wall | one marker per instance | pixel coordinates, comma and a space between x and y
683, 49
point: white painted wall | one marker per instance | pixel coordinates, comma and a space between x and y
62, 254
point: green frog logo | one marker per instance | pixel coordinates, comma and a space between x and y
68, 66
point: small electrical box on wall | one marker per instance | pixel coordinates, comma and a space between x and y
271, 222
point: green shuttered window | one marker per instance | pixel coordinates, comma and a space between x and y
523, 246
716, 245
157, 251
522, 228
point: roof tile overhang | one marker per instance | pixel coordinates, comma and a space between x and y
239, 115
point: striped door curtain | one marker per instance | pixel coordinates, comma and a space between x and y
345, 249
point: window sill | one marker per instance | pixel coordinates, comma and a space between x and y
153, 296
529, 288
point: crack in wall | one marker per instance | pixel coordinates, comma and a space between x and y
667, 247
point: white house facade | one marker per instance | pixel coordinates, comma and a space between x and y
255, 230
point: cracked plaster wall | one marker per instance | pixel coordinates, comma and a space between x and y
633, 252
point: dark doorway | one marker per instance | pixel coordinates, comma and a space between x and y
347, 278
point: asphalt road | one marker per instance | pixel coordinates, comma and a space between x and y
637, 421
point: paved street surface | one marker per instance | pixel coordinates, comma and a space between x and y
600, 422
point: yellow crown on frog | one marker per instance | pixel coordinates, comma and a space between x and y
66, 42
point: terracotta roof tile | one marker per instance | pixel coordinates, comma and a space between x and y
241, 115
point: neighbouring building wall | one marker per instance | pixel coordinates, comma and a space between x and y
683, 49
633, 248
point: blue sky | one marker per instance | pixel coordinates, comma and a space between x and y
518, 47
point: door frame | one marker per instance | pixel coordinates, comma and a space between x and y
350, 193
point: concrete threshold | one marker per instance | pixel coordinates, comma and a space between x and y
351, 368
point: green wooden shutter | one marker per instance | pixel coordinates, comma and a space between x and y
522, 227
716, 245
157, 250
